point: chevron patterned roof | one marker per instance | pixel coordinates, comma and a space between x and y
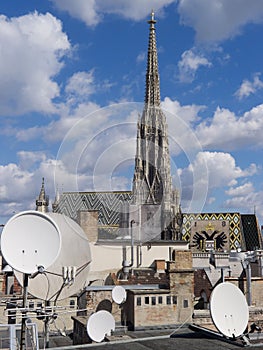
108, 205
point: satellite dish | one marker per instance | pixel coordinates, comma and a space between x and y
99, 325
229, 310
119, 295
30, 239
74, 256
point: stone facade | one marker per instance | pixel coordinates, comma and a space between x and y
88, 220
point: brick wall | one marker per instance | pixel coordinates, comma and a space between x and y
181, 277
201, 284
150, 308
14, 287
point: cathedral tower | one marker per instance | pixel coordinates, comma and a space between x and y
152, 182
152, 178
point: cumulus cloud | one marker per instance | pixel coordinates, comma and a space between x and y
188, 113
226, 131
249, 87
212, 20
217, 20
80, 84
29, 159
84, 10
56, 130
244, 197
21, 182
240, 191
222, 168
16, 183
31, 52
222, 172
100, 145
188, 65
91, 12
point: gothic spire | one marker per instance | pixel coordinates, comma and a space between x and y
152, 93
42, 201
152, 176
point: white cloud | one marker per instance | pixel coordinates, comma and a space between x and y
246, 198
218, 20
21, 186
222, 168
90, 147
80, 84
249, 87
16, 183
85, 10
241, 191
91, 11
189, 64
188, 113
181, 121
31, 52
141, 57
29, 159
222, 172
226, 131
56, 130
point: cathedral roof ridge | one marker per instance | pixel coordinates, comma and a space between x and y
97, 192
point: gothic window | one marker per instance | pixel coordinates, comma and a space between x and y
160, 139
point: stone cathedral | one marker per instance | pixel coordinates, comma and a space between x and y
151, 210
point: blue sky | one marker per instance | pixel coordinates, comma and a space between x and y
72, 82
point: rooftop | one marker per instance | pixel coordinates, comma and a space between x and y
181, 338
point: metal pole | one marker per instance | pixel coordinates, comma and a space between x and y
23, 323
222, 275
249, 297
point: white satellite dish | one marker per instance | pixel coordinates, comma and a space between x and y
29, 240
119, 295
99, 325
74, 253
229, 310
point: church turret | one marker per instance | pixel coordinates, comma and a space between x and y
55, 204
42, 201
